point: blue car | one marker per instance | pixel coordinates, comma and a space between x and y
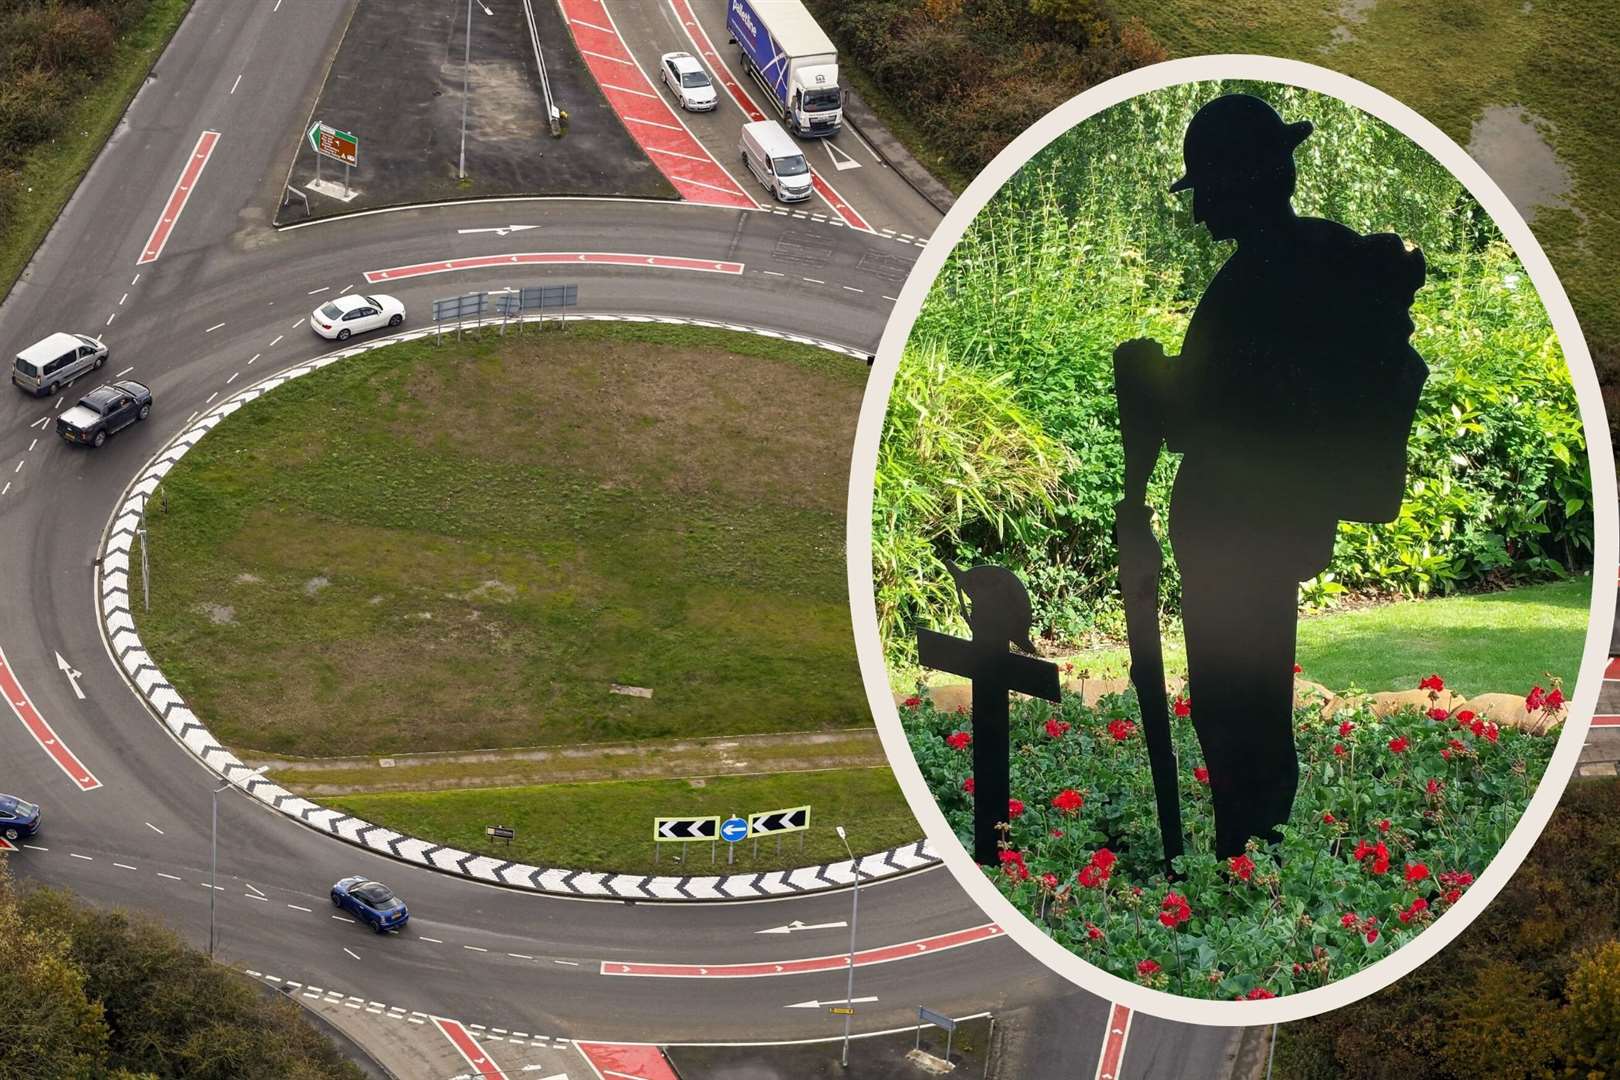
17, 818
372, 902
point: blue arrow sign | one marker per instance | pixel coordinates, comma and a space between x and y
733, 829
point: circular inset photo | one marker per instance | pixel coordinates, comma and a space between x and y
1227, 493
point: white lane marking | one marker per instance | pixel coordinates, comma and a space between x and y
211, 398
773, 273
18, 469
593, 26
121, 299
435, 940
892, 299
235, 84
279, 337
41, 422
260, 892
171, 877
6, 488
216, 888
134, 279
653, 123
475, 948
255, 357
351, 952
614, 59
234, 374
250, 896
59, 401
626, 90
76, 855
343, 918
851, 288
519, 956
295, 326
125, 866
276, 8
312, 292
111, 317
814, 281
295, 907
345, 288
32, 445
211, 329
36, 847
569, 963
192, 417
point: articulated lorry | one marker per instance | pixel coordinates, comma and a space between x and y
792, 59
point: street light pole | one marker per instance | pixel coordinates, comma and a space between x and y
213, 859
466, 66
854, 924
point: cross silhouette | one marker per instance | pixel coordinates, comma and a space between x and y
999, 616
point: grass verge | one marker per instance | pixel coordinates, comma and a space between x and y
449, 547
1501, 642
608, 826
51, 172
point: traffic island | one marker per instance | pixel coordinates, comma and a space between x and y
393, 102
900, 1055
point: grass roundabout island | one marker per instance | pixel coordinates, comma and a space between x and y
422, 558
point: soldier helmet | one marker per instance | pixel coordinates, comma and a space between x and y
1000, 604
1236, 139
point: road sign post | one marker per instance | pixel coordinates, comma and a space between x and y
500, 832
685, 830
328, 141
733, 830
939, 1020
778, 823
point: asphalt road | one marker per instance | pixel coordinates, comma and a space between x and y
224, 303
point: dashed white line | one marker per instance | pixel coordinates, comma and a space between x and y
295, 907
814, 281
192, 417
6, 488
216, 888
626, 90
125, 866
295, 326
255, 357
41, 422
211, 398
773, 273
235, 84
519, 956
250, 896
211, 329
322, 289
134, 279
475, 948
234, 374
279, 337
126, 371
36, 847
851, 288
260, 892
351, 952
171, 877
343, 918
32, 445
76, 855
111, 317
435, 940
121, 299
345, 288
569, 963
18, 469
892, 299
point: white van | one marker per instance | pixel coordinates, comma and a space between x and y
774, 159
50, 364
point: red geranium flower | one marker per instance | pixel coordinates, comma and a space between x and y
959, 740
1416, 872
1433, 786
1453, 895
1345, 728
1175, 910
1465, 716
1058, 833
1534, 700
1378, 853
1554, 701
913, 701
1183, 707
1242, 867
1200, 774
1349, 920
1050, 880
1456, 877
1014, 808
1104, 859
1372, 936
1491, 732
1012, 864
1121, 729
1147, 967
1338, 749
1398, 744
1068, 800
1364, 848
1329, 819
967, 785
1260, 993
1383, 825
1094, 932
1091, 877
1098, 870
1433, 682
1297, 668
1438, 714
1057, 728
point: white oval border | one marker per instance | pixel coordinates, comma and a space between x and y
864, 613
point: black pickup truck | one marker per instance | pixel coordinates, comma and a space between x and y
103, 411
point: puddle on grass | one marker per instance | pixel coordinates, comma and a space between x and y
1352, 13
1508, 142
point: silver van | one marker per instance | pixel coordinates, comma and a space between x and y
46, 366
774, 159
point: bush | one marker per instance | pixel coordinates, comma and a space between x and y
1394, 818
1085, 247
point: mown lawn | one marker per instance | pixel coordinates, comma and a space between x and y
609, 826
458, 546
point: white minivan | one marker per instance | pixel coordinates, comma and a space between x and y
774, 159
50, 364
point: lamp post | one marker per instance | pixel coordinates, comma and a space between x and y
854, 923
213, 859
466, 67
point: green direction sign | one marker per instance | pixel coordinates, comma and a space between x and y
335, 144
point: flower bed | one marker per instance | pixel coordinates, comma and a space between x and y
1395, 817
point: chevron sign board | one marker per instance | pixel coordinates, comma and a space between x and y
775, 822
685, 829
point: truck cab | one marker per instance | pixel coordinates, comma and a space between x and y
792, 59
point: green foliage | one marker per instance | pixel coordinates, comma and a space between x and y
961, 466
969, 76
1394, 818
1540, 962
1086, 247
103, 994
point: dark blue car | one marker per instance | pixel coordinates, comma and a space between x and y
372, 902
17, 818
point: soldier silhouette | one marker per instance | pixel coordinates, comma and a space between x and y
1291, 403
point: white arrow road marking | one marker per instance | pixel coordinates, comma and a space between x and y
73, 676
835, 1001
499, 230
840, 160
797, 925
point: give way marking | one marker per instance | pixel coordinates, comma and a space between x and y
468, 1048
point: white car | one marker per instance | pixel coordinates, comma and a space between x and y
352, 313
688, 81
